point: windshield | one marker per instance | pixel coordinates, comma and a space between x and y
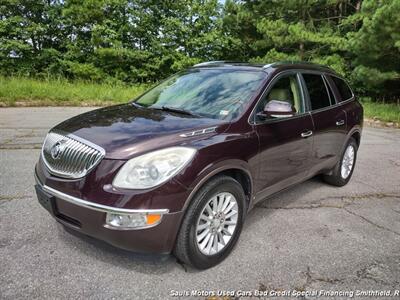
212, 93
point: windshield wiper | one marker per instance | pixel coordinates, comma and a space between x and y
176, 110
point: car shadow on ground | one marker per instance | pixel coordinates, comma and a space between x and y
96, 249
160, 264
283, 199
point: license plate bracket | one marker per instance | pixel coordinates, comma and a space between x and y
46, 200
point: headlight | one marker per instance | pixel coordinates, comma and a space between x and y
153, 168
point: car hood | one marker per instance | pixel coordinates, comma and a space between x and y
125, 130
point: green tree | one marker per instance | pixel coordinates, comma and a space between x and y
30, 36
376, 48
147, 40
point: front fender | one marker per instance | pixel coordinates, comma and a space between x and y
214, 169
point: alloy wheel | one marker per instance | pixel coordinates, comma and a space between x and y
347, 162
217, 223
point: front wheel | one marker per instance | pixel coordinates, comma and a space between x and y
343, 170
212, 224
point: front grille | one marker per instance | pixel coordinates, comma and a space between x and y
69, 156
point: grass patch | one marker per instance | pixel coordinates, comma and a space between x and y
381, 111
22, 91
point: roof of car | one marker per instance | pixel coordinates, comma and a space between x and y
274, 65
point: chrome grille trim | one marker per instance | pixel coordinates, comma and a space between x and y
76, 158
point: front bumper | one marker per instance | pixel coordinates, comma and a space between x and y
89, 218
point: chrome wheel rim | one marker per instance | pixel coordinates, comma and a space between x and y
347, 162
217, 223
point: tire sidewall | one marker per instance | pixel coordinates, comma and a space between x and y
199, 259
344, 181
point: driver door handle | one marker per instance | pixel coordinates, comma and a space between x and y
306, 134
340, 123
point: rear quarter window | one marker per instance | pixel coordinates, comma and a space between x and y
319, 97
344, 90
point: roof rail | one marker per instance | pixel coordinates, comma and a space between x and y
268, 65
214, 62
295, 62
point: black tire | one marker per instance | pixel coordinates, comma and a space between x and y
335, 177
186, 249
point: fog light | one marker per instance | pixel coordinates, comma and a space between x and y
131, 221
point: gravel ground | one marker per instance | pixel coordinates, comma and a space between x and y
312, 237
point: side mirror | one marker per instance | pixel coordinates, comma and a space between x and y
277, 109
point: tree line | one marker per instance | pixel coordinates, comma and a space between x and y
137, 41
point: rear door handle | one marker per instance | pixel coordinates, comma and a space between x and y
340, 123
306, 134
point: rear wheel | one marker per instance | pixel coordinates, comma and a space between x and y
212, 224
343, 170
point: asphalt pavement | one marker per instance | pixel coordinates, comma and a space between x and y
311, 237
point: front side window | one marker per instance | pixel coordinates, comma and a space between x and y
343, 88
284, 89
213, 93
319, 97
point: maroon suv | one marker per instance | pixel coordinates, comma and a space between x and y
177, 169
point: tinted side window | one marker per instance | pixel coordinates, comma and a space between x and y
343, 88
331, 96
316, 89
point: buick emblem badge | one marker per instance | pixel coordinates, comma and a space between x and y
57, 150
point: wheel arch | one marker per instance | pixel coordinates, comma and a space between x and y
356, 134
237, 171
